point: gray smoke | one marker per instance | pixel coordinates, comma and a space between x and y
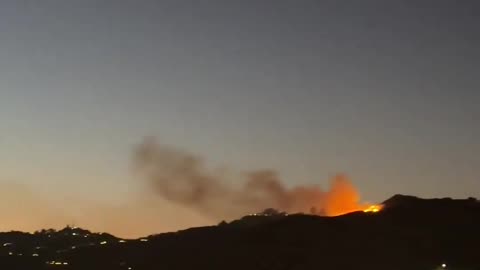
183, 178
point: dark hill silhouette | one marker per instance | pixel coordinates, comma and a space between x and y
410, 233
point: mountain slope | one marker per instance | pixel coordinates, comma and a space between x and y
410, 233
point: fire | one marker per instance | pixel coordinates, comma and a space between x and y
343, 198
373, 208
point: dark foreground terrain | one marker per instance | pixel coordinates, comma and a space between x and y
410, 233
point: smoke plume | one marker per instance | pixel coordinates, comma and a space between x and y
186, 193
184, 179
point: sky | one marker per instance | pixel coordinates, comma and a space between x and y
387, 93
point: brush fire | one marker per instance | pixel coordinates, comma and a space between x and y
373, 209
183, 178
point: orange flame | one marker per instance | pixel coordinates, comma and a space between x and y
373, 208
343, 198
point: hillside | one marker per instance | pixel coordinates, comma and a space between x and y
409, 233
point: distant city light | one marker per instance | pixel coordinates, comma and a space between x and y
444, 265
57, 263
103, 243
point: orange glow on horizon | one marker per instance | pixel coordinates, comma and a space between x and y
374, 208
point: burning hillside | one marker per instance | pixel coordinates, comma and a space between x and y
446, 231
373, 208
183, 178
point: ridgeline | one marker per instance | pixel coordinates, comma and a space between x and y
409, 233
